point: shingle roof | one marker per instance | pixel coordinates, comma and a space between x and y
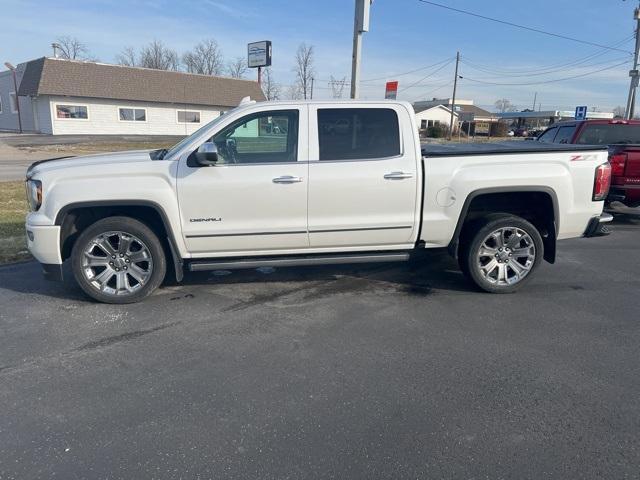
50, 76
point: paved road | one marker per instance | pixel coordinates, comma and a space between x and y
369, 372
17, 152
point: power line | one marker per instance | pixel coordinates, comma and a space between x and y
394, 75
426, 76
546, 81
497, 73
531, 29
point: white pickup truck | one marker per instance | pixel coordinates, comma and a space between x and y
307, 183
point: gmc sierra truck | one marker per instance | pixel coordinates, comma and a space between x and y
308, 183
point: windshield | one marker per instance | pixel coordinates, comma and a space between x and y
609, 134
176, 148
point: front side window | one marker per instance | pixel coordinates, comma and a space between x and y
358, 133
72, 111
565, 134
132, 114
265, 137
548, 136
187, 116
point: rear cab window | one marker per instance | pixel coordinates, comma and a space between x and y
609, 134
358, 133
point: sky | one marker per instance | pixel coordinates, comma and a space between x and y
404, 36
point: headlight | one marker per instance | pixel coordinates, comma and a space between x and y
34, 194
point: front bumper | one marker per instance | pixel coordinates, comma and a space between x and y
597, 226
43, 242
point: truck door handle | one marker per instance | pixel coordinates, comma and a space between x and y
287, 179
398, 175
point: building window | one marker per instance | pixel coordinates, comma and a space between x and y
423, 124
132, 114
78, 112
188, 116
14, 102
358, 133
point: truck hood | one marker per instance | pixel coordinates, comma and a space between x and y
86, 160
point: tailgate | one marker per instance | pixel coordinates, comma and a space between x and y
632, 167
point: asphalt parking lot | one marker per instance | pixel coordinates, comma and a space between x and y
351, 372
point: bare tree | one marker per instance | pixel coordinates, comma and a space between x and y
504, 105
270, 88
304, 68
619, 112
237, 68
72, 49
337, 86
205, 58
156, 55
293, 92
127, 57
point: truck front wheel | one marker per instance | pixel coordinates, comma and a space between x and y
501, 252
118, 260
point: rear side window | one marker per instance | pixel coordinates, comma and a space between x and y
565, 134
548, 136
609, 134
358, 133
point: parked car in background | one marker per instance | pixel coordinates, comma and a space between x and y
623, 139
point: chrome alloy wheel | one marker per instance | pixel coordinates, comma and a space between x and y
506, 256
117, 263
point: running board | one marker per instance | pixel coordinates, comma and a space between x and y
198, 266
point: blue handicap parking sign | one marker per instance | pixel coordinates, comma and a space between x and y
581, 113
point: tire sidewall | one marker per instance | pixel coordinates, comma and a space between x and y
133, 227
494, 223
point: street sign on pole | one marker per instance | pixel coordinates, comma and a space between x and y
581, 113
391, 91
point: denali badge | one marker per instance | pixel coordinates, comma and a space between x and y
210, 219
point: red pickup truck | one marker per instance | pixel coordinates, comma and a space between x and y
623, 138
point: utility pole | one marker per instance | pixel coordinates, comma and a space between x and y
631, 101
535, 99
360, 25
453, 99
311, 88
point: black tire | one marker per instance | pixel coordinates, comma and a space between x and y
472, 265
142, 238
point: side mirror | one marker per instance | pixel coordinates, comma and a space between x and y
207, 154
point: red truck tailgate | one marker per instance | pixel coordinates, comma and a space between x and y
632, 167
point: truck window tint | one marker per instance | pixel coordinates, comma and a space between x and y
358, 133
565, 134
265, 137
548, 136
609, 134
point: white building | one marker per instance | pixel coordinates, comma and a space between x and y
431, 116
72, 97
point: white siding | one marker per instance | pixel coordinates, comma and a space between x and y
161, 118
442, 115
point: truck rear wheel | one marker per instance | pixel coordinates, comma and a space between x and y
118, 260
501, 252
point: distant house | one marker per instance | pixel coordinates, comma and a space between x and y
435, 115
73, 97
468, 116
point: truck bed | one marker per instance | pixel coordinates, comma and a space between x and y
497, 148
